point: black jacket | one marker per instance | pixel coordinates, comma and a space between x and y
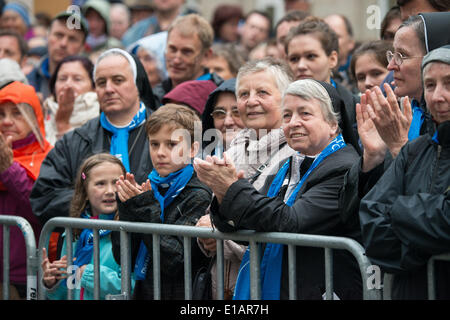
315, 211
405, 218
357, 183
53, 190
186, 209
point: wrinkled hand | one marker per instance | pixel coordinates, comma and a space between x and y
6, 152
374, 147
52, 271
128, 188
209, 244
66, 99
218, 174
392, 124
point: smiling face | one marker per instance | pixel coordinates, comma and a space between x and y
305, 126
259, 101
184, 57
436, 79
369, 72
169, 149
12, 122
308, 60
101, 188
226, 116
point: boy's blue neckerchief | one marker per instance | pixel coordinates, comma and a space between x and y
333, 83
176, 181
119, 140
417, 120
435, 137
271, 262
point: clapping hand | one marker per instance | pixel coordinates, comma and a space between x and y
391, 122
218, 174
127, 187
6, 153
374, 147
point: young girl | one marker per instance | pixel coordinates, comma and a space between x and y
369, 64
94, 198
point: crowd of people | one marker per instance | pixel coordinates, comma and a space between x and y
154, 114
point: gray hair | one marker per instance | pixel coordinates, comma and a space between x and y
309, 89
117, 52
278, 69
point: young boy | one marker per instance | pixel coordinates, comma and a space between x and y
172, 195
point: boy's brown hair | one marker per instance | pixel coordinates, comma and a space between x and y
178, 116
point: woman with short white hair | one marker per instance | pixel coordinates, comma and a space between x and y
259, 148
300, 197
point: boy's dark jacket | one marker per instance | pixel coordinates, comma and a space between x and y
186, 209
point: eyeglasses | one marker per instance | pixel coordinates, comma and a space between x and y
398, 57
221, 114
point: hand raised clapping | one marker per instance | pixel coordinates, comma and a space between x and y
6, 152
127, 187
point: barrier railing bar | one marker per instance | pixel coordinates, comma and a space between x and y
292, 266
187, 268
329, 273
156, 267
220, 269
245, 235
430, 274
6, 267
255, 271
69, 239
30, 246
96, 239
125, 257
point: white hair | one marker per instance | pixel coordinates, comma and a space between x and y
276, 68
308, 89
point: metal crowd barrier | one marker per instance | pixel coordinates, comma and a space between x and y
30, 243
292, 240
431, 281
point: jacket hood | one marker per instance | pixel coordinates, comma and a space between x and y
17, 92
193, 93
226, 86
102, 7
32, 154
436, 25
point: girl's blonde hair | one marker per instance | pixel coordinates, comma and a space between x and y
80, 197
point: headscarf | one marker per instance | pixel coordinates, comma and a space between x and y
193, 93
436, 26
345, 124
31, 155
139, 75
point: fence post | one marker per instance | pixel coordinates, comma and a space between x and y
30, 247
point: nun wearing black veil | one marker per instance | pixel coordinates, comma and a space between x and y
126, 100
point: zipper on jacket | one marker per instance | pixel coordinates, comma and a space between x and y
435, 167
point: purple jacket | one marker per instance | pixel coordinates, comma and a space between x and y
15, 201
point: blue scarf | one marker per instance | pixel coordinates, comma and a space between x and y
333, 83
176, 181
119, 140
417, 120
84, 248
271, 263
435, 137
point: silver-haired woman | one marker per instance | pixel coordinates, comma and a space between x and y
300, 197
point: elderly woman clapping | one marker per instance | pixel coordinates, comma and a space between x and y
257, 149
301, 197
